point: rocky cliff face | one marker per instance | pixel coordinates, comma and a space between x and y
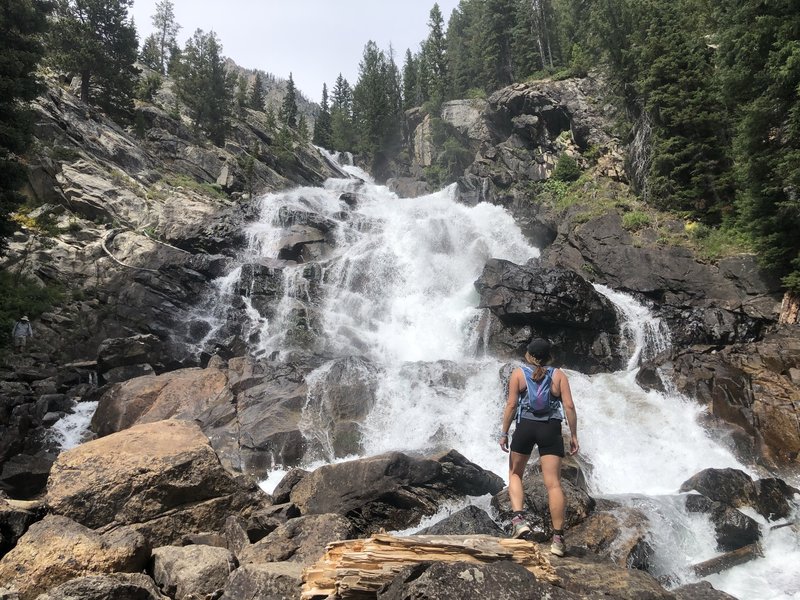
141, 221
717, 311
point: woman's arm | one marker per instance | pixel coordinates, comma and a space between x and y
511, 406
569, 411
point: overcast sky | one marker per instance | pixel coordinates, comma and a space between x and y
315, 40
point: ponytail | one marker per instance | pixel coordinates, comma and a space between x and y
540, 371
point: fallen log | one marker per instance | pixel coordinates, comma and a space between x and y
359, 568
728, 560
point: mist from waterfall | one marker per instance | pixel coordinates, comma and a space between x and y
397, 289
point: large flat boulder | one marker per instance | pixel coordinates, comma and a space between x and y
57, 549
392, 490
182, 394
534, 300
164, 478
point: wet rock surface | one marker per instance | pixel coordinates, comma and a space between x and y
538, 301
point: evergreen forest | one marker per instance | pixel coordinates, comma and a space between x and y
707, 92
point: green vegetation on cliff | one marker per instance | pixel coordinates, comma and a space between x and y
22, 22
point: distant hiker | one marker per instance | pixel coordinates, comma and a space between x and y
538, 396
21, 332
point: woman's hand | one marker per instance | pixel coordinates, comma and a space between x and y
573, 445
504, 443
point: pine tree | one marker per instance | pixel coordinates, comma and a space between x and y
204, 86
257, 99
302, 127
525, 49
498, 65
690, 167
95, 39
760, 68
436, 49
376, 103
409, 81
22, 23
288, 112
166, 31
322, 127
149, 56
423, 93
342, 134
241, 92
460, 48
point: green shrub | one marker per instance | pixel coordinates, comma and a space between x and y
184, 181
475, 93
635, 220
148, 87
567, 169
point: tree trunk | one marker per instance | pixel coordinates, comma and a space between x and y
85, 78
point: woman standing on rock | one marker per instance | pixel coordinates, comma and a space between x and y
539, 396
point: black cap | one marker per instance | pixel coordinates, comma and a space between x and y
539, 348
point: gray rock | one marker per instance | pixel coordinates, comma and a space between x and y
14, 522
467, 521
502, 580
129, 351
188, 572
162, 479
392, 490
536, 301
119, 586
591, 576
578, 505
300, 540
37, 563
281, 492
700, 591
276, 581
408, 187
728, 486
733, 528
25, 476
620, 534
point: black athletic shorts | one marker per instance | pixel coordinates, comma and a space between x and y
545, 434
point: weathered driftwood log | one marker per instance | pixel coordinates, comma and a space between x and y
359, 568
728, 560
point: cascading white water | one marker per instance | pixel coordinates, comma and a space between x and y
398, 290
70, 430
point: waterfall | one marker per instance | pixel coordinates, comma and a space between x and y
396, 288
70, 430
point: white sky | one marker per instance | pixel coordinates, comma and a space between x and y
315, 40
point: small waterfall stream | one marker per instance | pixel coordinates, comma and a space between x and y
397, 289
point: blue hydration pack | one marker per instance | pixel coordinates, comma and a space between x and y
536, 399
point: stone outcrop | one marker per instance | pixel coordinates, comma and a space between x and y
277, 581
752, 387
703, 304
392, 490
164, 480
119, 586
301, 540
537, 301
37, 563
189, 572
470, 520
770, 497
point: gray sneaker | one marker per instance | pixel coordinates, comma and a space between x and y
521, 530
557, 547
